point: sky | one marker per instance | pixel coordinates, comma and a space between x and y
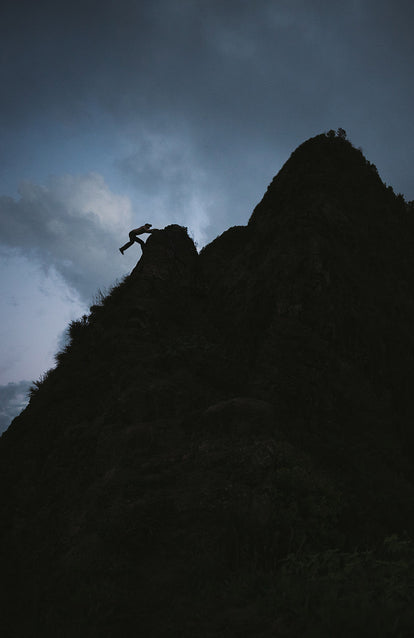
118, 112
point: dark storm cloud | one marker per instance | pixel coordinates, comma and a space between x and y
200, 59
13, 398
237, 77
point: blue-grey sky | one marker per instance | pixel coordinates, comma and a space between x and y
118, 112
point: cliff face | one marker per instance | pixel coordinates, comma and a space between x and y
220, 419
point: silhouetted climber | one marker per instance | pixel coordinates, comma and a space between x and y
146, 228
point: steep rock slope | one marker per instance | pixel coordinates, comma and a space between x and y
319, 294
224, 430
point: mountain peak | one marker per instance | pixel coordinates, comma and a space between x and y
325, 169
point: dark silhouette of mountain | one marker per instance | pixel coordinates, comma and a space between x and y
225, 448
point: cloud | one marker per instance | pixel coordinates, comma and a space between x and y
36, 306
167, 61
237, 77
172, 186
73, 224
13, 399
